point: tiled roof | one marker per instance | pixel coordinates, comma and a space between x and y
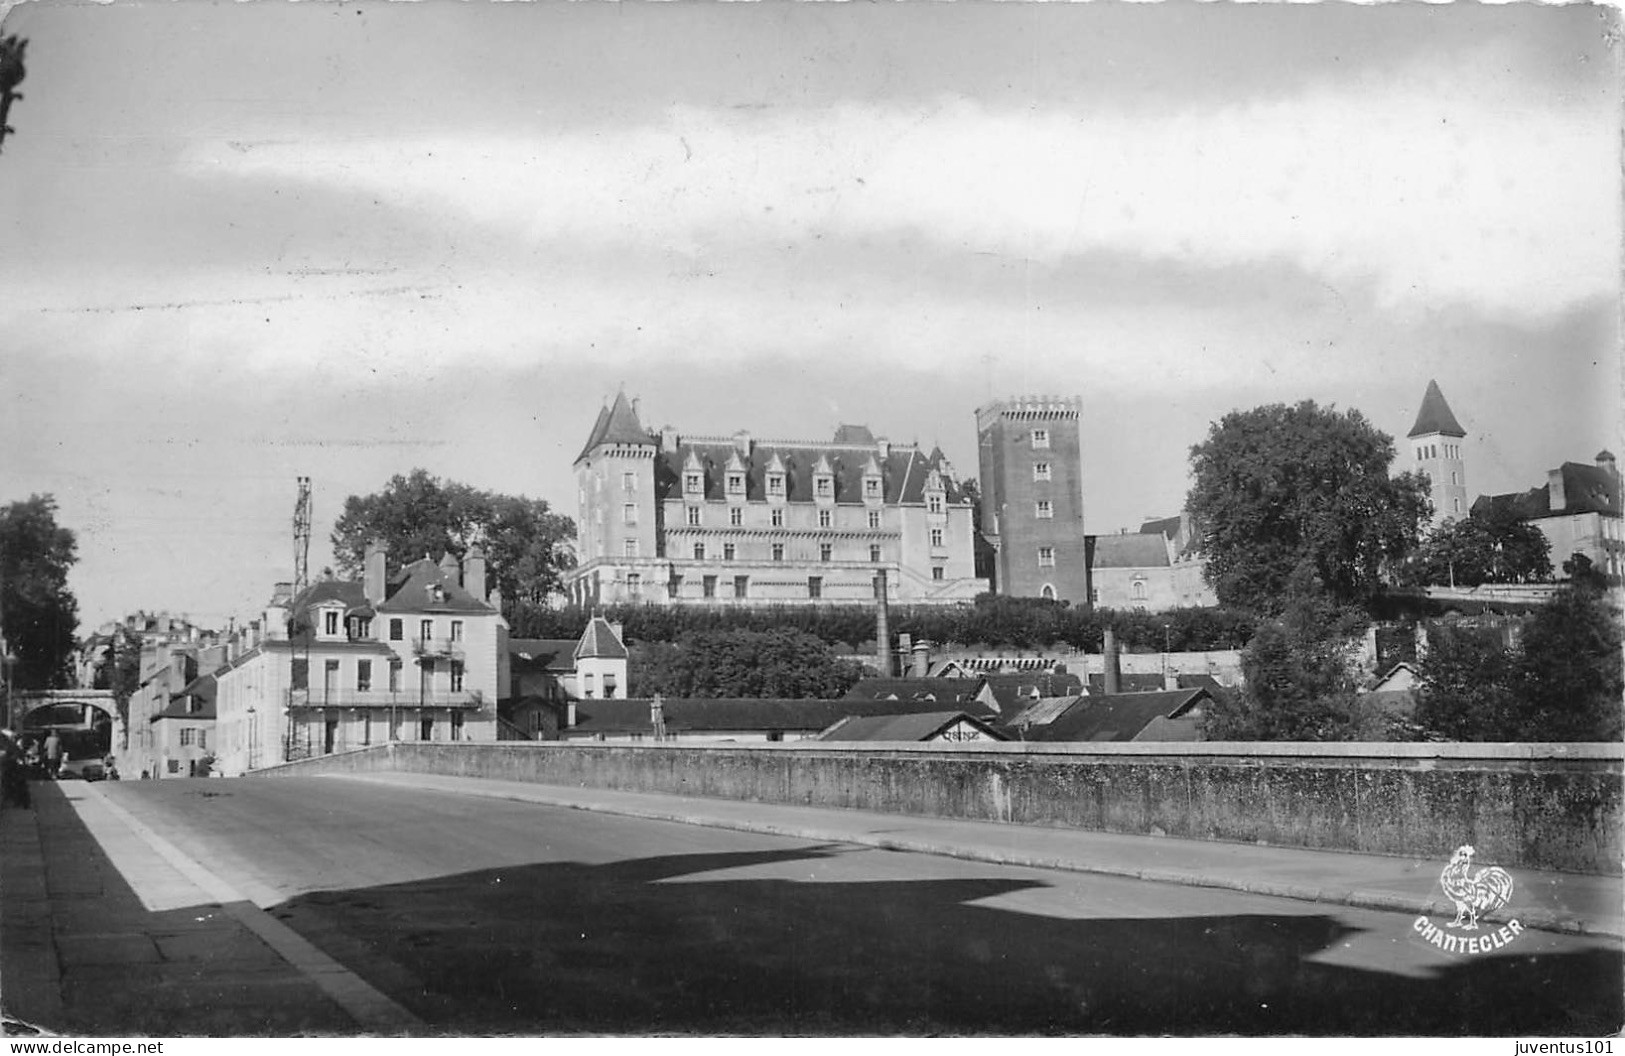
1130, 550
903, 471
549, 654
1167, 527
1040, 712
1586, 489
1435, 416
695, 715
1127, 683
414, 589
960, 691
600, 641
202, 689
1020, 688
617, 424
921, 726
1121, 717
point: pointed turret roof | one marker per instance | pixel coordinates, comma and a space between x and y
1435, 416
617, 424
600, 640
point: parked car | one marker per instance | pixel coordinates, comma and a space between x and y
82, 769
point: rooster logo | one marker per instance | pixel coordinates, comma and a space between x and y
1474, 893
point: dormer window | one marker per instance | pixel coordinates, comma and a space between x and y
824, 487
871, 487
736, 483
933, 502
775, 485
693, 483
330, 622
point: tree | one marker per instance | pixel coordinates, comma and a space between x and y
782, 664
1288, 497
1487, 546
1299, 678
526, 544
1582, 572
120, 672
1563, 681
38, 613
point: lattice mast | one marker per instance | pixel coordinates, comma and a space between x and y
301, 538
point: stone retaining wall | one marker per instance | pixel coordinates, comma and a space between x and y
1533, 806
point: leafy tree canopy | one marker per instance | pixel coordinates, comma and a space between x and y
527, 546
723, 664
1562, 681
1487, 546
38, 613
1299, 678
1295, 498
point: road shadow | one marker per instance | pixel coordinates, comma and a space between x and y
570, 947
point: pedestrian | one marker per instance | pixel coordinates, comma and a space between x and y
13, 781
53, 755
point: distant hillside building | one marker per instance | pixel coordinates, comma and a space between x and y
1437, 453
1031, 464
665, 518
1577, 509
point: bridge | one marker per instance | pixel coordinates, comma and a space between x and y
538, 889
92, 712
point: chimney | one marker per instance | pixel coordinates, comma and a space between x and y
372, 571
1554, 484
668, 438
569, 714
1605, 460
883, 626
1113, 670
922, 658
449, 569
474, 572
742, 442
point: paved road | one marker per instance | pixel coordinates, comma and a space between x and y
486, 916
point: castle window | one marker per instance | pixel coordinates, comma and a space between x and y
1048, 593
629, 482
736, 516
741, 586
824, 518
1137, 590
936, 538
1045, 510
778, 518
874, 518
815, 586
874, 552
871, 487
775, 484
933, 503
629, 548
693, 483
693, 516
938, 572
778, 551
634, 584
736, 483
824, 487
708, 586
1040, 437
1040, 470
825, 551
727, 551
699, 551
1046, 557
629, 513
674, 587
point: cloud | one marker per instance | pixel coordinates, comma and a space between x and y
1429, 193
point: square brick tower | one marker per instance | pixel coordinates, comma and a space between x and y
1031, 464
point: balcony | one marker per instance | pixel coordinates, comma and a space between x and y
437, 648
316, 699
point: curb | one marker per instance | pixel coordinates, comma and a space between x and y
1531, 917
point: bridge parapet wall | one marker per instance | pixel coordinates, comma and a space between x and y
1543, 806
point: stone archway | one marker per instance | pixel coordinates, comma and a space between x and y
86, 718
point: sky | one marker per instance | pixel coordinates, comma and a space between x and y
244, 242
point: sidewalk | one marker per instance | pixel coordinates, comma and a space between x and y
106, 930
1560, 902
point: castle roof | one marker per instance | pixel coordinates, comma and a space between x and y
1435, 416
1131, 550
616, 424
